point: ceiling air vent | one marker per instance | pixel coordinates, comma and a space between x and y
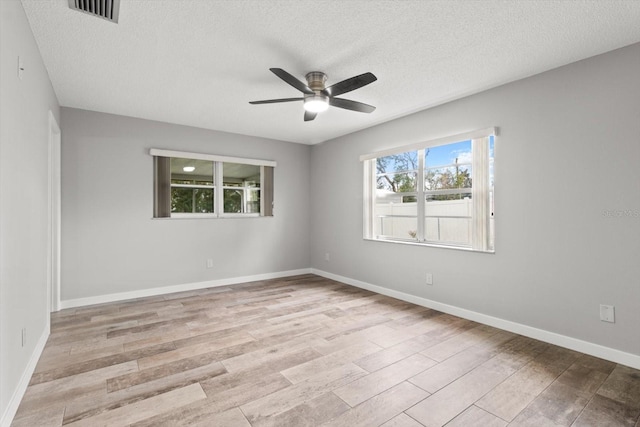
105, 9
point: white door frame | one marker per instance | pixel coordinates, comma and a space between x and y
53, 252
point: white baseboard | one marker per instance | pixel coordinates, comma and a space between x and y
121, 296
19, 391
586, 347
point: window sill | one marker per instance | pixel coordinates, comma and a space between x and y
209, 216
430, 245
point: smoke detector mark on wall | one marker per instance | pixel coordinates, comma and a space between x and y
105, 9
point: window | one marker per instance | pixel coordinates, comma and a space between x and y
189, 185
434, 193
241, 188
192, 186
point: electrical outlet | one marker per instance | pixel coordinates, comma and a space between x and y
209, 263
607, 313
24, 337
327, 257
429, 279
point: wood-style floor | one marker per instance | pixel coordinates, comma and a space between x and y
307, 351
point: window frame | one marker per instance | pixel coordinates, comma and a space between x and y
266, 185
219, 167
482, 192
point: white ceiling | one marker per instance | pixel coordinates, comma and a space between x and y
200, 62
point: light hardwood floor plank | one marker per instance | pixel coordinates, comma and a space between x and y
513, 395
459, 364
308, 414
401, 420
414, 345
216, 403
444, 405
302, 392
368, 386
86, 406
474, 416
381, 408
346, 355
308, 351
59, 392
137, 411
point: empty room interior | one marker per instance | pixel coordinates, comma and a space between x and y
320, 213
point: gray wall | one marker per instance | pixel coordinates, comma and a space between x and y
111, 244
569, 138
24, 133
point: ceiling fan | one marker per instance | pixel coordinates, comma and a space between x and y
318, 98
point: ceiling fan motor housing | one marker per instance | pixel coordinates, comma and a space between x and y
316, 80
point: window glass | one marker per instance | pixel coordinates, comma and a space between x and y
192, 186
191, 171
241, 185
395, 213
196, 200
448, 187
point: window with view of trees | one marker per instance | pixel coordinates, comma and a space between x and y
192, 185
437, 193
202, 185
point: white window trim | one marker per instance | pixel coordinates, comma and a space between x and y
481, 133
240, 215
186, 215
211, 157
183, 215
204, 187
481, 208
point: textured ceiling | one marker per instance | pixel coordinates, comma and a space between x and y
200, 62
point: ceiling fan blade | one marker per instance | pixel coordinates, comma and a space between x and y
350, 84
348, 104
292, 80
273, 101
308, 116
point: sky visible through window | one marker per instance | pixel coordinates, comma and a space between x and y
444, 155
438, 156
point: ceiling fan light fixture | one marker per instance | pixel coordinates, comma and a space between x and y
316, 103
